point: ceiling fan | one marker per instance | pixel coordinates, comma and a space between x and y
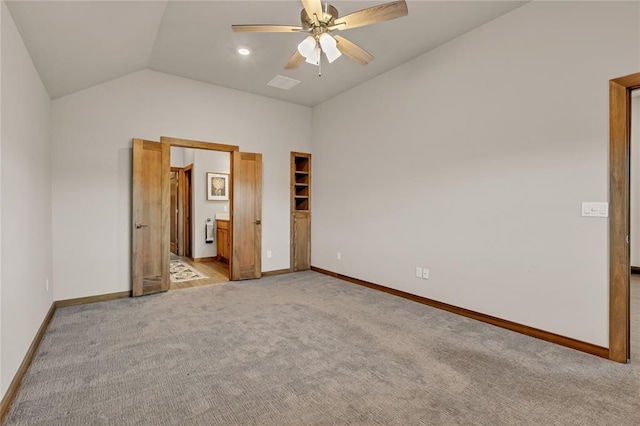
319, 20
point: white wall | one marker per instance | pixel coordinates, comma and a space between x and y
2, 9
472, 160
26, 201
177, 157
91, 137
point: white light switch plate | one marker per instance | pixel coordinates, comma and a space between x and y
595, 209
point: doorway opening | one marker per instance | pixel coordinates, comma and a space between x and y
151, 216
199, 217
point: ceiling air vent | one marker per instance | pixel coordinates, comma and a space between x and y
282, 82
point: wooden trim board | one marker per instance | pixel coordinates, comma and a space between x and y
24, 366
509, 325
205, 259
276, 272
92, 299
186, 143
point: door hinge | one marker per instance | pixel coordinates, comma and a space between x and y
627, 239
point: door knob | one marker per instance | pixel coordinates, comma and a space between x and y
140, 225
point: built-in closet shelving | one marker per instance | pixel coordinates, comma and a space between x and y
300, 211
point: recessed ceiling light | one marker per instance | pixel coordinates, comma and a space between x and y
243, 51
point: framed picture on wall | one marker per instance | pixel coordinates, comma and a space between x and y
217, 186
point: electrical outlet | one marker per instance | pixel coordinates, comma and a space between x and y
418, 272
425, 273
268, 254
339, 256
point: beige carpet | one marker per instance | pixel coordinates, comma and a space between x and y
307, 349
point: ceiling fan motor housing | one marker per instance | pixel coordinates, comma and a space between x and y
329, 15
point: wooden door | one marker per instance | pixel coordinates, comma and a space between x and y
174, 210
186, 212
301, 235
246, 224
151, 192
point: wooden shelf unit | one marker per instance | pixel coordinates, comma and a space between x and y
301, 181
300, 211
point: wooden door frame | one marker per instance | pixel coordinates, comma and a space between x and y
619, 207
211, 146
184, 197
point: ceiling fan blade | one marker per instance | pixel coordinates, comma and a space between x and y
266, 28
353, 51
373, 15
295, 61
313, 7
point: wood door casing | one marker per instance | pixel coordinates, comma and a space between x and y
246, 224
619, 211
185, 143
150, 217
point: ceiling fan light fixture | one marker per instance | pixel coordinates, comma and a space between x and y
318, 20
330, 47
314, 58
307, 47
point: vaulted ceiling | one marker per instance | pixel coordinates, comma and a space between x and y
78, 44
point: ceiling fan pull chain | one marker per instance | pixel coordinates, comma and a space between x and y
320, 66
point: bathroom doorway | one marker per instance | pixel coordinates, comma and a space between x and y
196, 255
151, 217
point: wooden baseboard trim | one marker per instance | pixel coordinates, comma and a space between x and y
276, 272
205, 259
635, 269
7, 400
92, 299
509, 325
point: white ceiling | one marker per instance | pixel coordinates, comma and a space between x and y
77, 44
